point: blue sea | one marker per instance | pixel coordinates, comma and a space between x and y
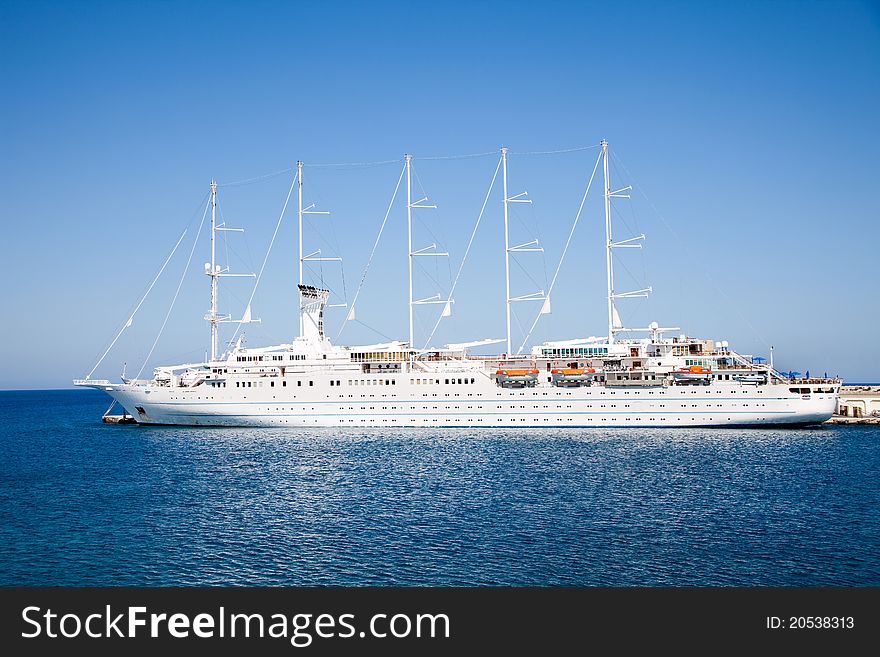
85, 504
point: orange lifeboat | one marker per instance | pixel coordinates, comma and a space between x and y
693, 374
516, 378
572, 376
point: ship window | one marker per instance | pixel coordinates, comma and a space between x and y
311, 383
249, 384
472, 380
271, 384
299, 383
284, 384
331, 384
446, 381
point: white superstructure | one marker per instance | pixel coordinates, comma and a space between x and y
655, 381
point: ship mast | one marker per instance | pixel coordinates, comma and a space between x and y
533, 246
309, 257
408, 159
614, 324
609, 266
428, 251
214, 270
213, 273
506, 246
299, 214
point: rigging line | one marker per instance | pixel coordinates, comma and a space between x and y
352, 164
266, 257
454, 157
193, 215
466, 252
376, 331
690, 253
248, 181
424, 224
177, 292
562, 150
565, 248
140, 303
373, 252
525, 271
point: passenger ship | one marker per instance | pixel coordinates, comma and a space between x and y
613, 381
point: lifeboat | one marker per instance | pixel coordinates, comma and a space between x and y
750, 377
693, 374
516, 378
572, 376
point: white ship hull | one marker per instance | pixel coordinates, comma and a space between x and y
481, 406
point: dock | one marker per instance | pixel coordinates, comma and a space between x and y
857, 405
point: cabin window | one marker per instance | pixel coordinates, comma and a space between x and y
284, 384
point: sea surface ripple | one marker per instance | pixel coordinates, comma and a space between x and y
88, 504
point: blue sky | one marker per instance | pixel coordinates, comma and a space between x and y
750, 130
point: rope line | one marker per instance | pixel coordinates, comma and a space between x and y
248, 181
557, 152
691, 253
466, 252
564, 250
266, 257
177, 292
378, 163
140, 303
372, 253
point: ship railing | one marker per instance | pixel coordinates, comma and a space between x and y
91, 382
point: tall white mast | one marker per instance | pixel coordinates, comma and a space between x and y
428, 251
519, 248
408, 159
215, 271
299, 181
506, 247
214, 319
608, 260
631, 243
308, 257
